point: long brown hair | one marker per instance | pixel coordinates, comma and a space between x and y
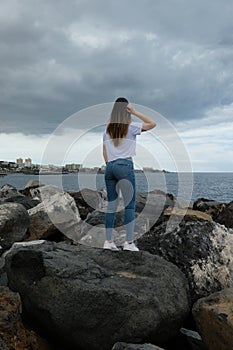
119, 121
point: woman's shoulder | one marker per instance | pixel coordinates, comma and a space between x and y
135, 124
135, 128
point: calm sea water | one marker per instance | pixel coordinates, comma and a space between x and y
189, 186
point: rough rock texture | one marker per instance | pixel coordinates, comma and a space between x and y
202, 250
226, 216
9, 193
152, 204
32, 184
80, 294
126, 346
87, 200
186, 214
13, 334
193, 338
14, 222
93, 228
57, 211
214, 319
211, 207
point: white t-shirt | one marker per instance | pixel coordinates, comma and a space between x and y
127, 147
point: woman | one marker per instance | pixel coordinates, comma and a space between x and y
119, 143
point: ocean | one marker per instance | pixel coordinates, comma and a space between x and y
187, 186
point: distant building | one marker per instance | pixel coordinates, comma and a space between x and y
28, 162
73, 167
12, 165
19, 161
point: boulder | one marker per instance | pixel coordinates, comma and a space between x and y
152, 204
9, 193
226, 216
186, 214
32, 184
87, 200
93, 228
214, 319
126, 346
14, 223
209, 206
91, 298
56, 212
202, 250
13, 333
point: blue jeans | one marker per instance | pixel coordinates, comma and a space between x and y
119, 174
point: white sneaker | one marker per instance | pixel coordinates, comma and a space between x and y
130, 246
110, 246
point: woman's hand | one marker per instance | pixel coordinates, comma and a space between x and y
131, 109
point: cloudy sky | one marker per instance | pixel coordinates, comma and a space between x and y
172, 56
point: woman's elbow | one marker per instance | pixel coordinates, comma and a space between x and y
152, 125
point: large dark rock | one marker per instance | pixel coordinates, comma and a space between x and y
90, 298
14, 222
202, 250
226, 216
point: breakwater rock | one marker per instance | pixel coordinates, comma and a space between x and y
203, 250
13, 333
90, 298
14, 222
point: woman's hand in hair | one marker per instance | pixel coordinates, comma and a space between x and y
131, 109
148, 123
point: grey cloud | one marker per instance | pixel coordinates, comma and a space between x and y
176, 59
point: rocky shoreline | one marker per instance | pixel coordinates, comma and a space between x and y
59, 288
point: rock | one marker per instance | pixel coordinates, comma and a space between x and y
202, 250
32, 184
226, 216
126, 346
93, 228
14, 222
193, 338
45, 192
87, 200
186, 214
79, 294
3, 345
57, 212
214, 319
28, 203
152, 204
9, 193
209, 206
13, 334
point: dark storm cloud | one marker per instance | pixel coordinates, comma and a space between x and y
57, 58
